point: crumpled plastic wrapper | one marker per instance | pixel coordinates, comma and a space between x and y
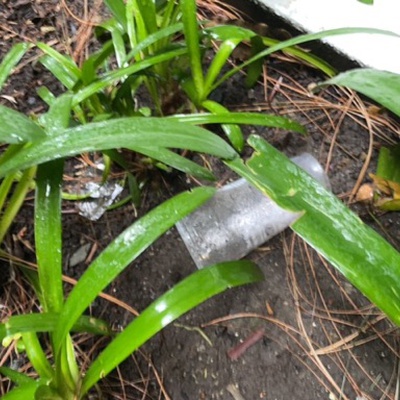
101, 197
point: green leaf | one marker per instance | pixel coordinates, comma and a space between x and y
137, 28
225, 32
244, 118
11, 59
23, 392
16, 128
36, 355
58, 117
232, 131
369, 2
228, 32
389, 163
119, 47
113, 76
133, 24
5, 188
62, 67
67, 374
169, 12
304, 55
219, 61
186, 295
48, 233
94, 61
364, 257
255, 69
154, 38
48, 212
117, 8
11, 150
17, 377
46, 95
17, 198
299, 40
45, 392
192, 39
147, 11
381, 86
122, 251
47, 322
124, 132
176, 161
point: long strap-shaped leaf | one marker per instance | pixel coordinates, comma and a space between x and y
299, 40
154, 38
246, 118
16, 128
186, 295
10, 60
48, 233
113, 76
227, 32
364, 257
192, 38
24, 392
61, 66
47, 322
117, 8
232, 131
17, 198
124, 132
176, 161
48, 212
37, 356
147, 11
122, 251
381, 86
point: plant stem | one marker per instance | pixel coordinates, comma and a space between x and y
16, 200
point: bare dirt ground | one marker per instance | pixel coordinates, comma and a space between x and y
319, 338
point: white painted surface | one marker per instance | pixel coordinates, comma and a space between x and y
374, 50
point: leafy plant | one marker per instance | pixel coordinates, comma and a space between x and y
61, 378
146, 41
145, 45
43, 146
105, 118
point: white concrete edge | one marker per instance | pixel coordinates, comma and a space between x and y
372, 50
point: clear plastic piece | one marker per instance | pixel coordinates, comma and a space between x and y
101, 197
238, 219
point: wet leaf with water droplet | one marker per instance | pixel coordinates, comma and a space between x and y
381, 86
16, 128
186, 295
367, 260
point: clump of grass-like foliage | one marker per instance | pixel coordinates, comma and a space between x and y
160, 46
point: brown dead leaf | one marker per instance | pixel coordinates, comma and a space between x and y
386, 187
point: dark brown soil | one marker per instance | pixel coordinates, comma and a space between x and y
322, 339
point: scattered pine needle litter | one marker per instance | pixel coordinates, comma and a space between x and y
344, 333
364, 323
